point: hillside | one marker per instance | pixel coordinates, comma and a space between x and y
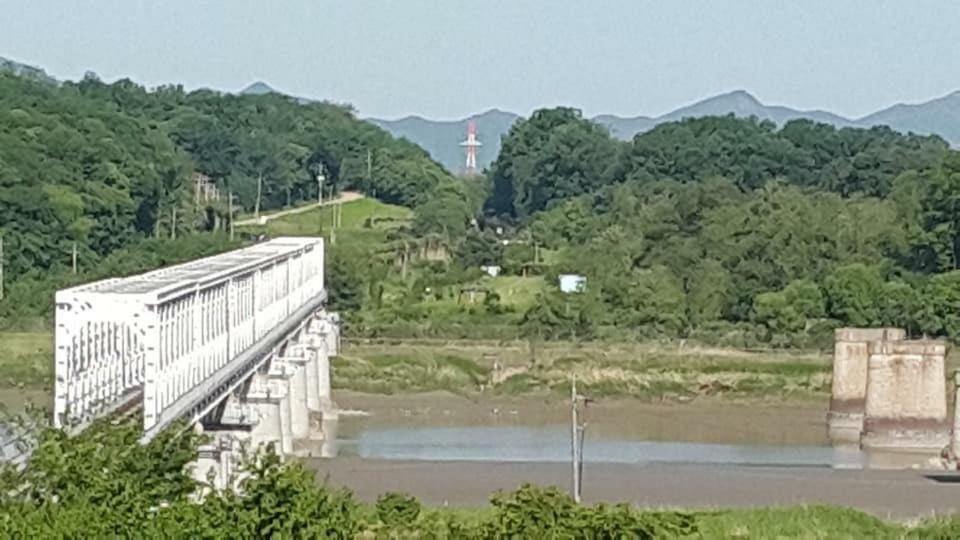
23, 70
104, 169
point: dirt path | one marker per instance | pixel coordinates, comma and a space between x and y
887, 494
343, 197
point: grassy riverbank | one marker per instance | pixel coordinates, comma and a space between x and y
637, 371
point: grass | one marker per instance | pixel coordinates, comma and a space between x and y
647, 372
390, 374
354, 221
795, 522
26, 360
805, 521
629, 371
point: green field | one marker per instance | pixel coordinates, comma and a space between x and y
26, 360
361, 220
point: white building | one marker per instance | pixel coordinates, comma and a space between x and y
572, 283
491, 270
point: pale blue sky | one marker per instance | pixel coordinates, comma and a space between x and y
449, 58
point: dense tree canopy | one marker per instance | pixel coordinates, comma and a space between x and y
105, 164
734, 220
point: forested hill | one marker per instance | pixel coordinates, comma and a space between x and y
105, 165
706, 224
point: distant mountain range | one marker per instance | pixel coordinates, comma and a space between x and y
939, 116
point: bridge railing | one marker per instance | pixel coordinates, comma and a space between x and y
99, 354
159, 338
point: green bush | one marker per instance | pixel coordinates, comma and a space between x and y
397, 509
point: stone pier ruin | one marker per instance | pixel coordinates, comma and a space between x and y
848, 399
888, 392
906, 405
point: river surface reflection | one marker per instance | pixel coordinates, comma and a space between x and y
552, 444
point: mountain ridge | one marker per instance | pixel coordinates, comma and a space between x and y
938, 116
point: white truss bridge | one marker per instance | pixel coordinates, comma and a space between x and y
238, 344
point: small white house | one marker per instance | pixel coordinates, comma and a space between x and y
572, 283
492, 271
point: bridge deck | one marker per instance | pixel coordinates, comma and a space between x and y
176, 337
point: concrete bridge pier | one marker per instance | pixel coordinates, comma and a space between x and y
323, 337
218, 462
296, 368
849, 388
268, 394
288, 403
906, 404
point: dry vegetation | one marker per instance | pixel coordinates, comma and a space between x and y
649, 372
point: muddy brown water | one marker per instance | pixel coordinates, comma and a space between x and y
450, 450
444, 427
711, 421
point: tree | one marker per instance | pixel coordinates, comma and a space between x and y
789, 311
855, 294
480, 248
554, 155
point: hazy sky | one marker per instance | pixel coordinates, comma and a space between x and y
450, 58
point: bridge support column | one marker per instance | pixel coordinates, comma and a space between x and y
311, 369
299, 412
849, 388
216, 465
268, 394
906, 404
324, 393
285, 426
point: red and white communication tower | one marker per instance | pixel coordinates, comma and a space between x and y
471, 145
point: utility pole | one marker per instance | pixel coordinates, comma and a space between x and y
1, 267
576, 441
320, 179
369, 166
256, 208
333, 209
74, 257
230, 212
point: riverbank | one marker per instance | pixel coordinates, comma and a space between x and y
649, 372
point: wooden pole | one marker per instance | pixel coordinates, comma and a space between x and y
1, 267
230, 212
74, 257
574, 441
256, 207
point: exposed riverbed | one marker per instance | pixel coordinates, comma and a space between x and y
449, 449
